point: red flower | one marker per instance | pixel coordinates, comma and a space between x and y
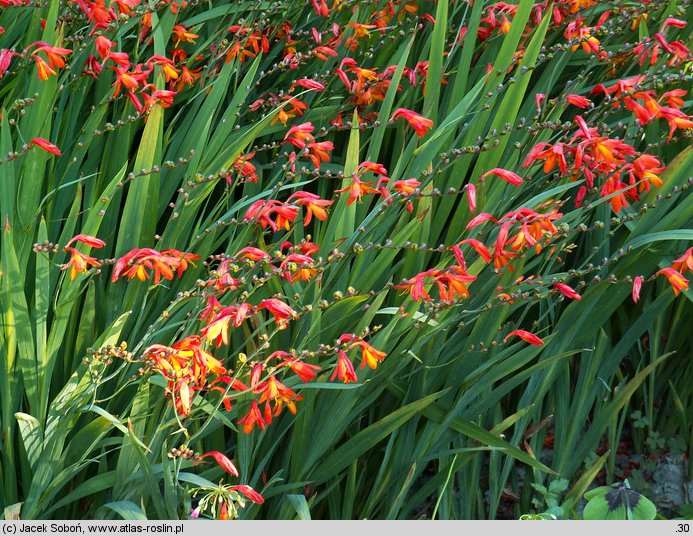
250, 493
303, 370
578, 100
567, 291
525, 336
299, 135
479, 247
87, 240
471, 197
308, 83
508, 176
279, 310
45, 145
419, 123
223, 461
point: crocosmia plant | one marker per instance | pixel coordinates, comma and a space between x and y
340, 259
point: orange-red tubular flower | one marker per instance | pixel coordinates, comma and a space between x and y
678, 282
252, 418
313, 205
567, 291
419, 123
87, 240
508, 176
406, 186
305, 371
249, 493
370, 356
578, 100
45, 145
319, 152
223, 461
525, 336
684, 262
357, 190
281, 311
103, 45
479, 247
344, 370
479, 219
308, 83
415, 286
299, 135
79, 262
550, 154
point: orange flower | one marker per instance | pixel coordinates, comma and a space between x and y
299, 135
370, 356
129, 80
415, 286
615, 187
678, 282
103, 45
501, 257
281, 312
218, 328
313, 205
79, 262
406, 186
203, 362
170, 72
452, 283
344, 370
684, 262
318, 152
56, 55
137, 262
305, 371
419, 123
300, 265
253, 417
181, 33
357, 190
43, 70
550, 154
280, 394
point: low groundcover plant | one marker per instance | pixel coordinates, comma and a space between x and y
340, 259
